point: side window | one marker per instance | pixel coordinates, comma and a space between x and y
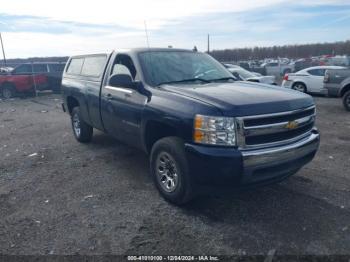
23, 69
322, 72
123, 64
40, 68
317, 72
119, 69
75, 66
56, 67
94, 65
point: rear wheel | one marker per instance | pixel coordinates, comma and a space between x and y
8, 91
170, 171
81, 130
346, 100
300, 87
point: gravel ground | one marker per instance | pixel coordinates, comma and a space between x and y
61, 197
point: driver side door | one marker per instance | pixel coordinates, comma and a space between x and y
121, 107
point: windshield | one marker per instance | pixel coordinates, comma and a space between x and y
175, 66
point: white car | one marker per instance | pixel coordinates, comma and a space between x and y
308, 80
245, 75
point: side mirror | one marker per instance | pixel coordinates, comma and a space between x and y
121, 80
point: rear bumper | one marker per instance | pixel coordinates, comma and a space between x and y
223, 166
332, 89
287, 84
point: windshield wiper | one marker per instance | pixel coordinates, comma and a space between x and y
222, 79
185, 80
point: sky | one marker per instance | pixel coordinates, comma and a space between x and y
68, 27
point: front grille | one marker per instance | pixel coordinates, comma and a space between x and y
278, 118
275, 129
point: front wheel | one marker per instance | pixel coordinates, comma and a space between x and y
81, 130
170, 171
8, 92
346, 100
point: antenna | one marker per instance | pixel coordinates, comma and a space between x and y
208, 44
146, 31
3, 49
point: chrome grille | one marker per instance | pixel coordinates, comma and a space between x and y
275, 129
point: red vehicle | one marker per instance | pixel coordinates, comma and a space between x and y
23, 79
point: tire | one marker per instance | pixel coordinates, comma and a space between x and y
169, 164
300, 87
8, 91
81, 130
346, 100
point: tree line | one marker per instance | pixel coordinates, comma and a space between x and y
289, 51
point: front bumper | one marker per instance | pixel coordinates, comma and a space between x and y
223, 166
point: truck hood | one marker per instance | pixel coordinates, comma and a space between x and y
244, 98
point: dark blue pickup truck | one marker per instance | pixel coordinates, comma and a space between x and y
197, 123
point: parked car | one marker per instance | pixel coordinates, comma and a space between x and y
28, 77
21, 80
198, 125
303, 63
337, 83
277, 68
339, 60
53, 72
245, 75
5, 69
309, 80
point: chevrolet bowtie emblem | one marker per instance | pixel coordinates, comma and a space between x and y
292, 125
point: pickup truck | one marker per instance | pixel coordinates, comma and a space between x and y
22, 79
198, 125
277, 68
337, 83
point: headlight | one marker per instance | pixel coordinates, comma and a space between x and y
214, 130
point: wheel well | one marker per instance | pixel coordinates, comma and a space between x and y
156, 130
71, 103
345, 89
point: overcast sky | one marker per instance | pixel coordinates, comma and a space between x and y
66, 27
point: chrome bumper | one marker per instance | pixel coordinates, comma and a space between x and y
269, 164
278, 155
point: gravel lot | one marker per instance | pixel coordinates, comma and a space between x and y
61, 197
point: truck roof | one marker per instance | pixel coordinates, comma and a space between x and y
139, 50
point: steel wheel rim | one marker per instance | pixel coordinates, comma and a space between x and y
299, 88
167, 172
76, 125
6, 93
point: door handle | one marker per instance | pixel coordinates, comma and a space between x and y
127, 95
109, 96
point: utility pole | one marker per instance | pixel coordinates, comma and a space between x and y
208, 44
3, 49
